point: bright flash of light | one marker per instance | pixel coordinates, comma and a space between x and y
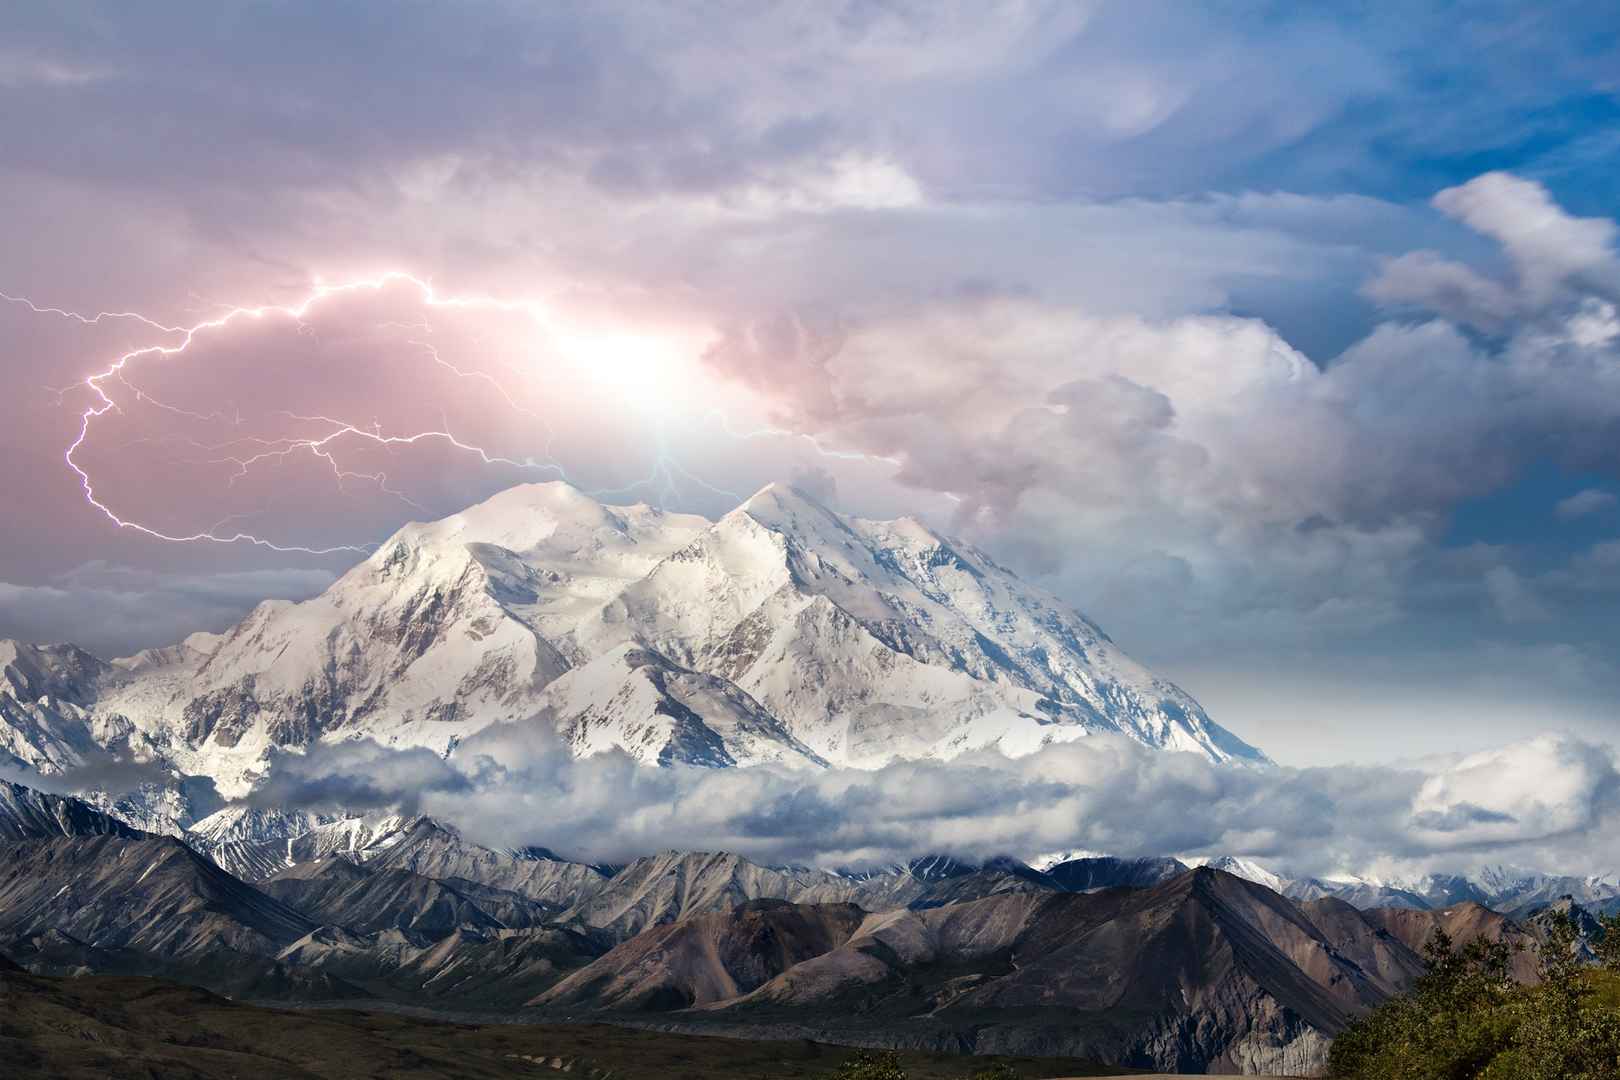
636, 369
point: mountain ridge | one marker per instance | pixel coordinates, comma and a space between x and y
781, 633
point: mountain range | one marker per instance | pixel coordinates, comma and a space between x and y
784, 632
1138, 962
1516, 892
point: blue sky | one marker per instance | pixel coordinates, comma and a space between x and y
1051, 273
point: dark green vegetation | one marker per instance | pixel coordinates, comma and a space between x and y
124, 1027
888, 1065
1467, 1018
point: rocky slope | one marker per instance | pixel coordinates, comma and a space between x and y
28, 814
1205, 971
153, 895
363, 900
1462, 922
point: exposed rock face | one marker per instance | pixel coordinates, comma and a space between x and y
27, 814
709, 958
494, 968
420, 845
1462, 922
149, 894
336, 892
1204, 971
672, 885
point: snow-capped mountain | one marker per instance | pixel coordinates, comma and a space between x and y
1247, 869
27, 814
1508, 890
784, 632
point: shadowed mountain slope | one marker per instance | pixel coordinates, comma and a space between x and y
150, 894
1204, 971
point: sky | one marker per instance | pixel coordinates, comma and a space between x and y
1280, 339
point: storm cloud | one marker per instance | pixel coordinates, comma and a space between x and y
1281, 342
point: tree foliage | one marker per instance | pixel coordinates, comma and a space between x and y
871, 1065
1465, 1018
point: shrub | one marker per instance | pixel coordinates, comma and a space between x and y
999, 1071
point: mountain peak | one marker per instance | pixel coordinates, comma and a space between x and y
1248, 870
785, 632
780, 503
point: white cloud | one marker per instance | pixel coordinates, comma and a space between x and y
1542, 788
1549, 248
1514, 598
1584, 503
515, 784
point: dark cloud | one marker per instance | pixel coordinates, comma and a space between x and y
116, 610
358, 775
818, 482
100, 773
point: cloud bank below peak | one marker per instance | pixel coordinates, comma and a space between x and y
1548, 801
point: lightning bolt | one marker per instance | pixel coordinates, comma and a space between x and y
322, 446
667, 477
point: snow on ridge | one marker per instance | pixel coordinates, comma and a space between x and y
782, 632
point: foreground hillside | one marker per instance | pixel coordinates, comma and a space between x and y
103, 1026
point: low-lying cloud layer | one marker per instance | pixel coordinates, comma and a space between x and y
1550, 802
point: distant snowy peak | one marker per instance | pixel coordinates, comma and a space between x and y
1248, 870
782, 633
47, 700
1050, 859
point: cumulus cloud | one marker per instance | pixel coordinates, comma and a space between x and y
1213, 469
516, 784
1549, 249
1556, 259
